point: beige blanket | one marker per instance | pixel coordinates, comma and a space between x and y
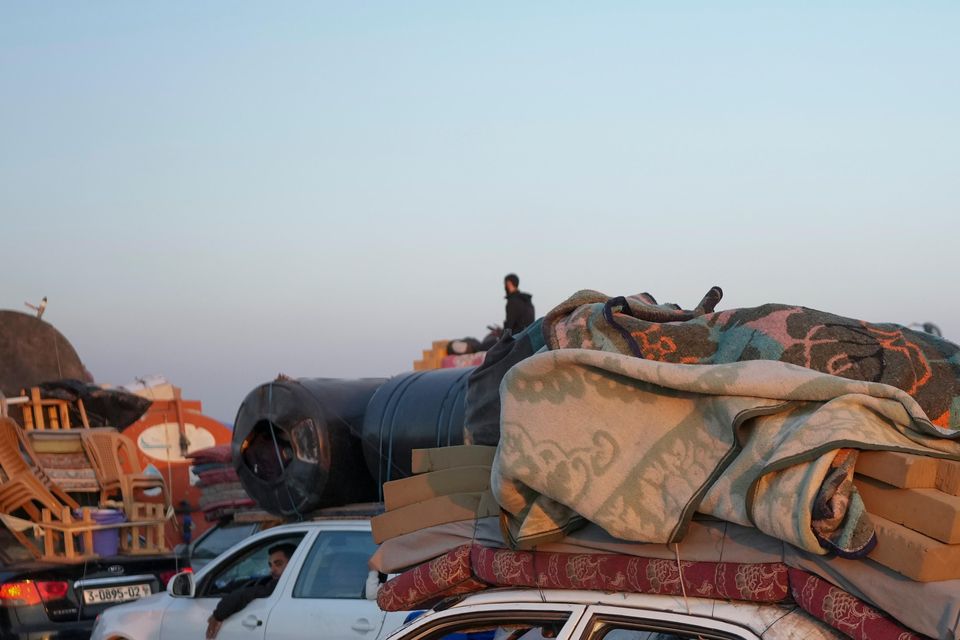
637, 446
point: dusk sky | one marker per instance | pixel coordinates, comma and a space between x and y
222, 191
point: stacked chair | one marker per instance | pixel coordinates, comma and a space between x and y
100, 462
57, 533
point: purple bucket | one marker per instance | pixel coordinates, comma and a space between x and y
106, 542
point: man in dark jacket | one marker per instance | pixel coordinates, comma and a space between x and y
278, 557
519, 307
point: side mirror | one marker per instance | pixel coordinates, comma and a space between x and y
372, 586
182, 585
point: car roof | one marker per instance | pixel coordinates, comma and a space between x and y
758, 617
322, 523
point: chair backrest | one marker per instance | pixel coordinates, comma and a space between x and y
113, 453
13, 447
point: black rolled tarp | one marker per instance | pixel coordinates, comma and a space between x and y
33, 351
297, 447
411, 411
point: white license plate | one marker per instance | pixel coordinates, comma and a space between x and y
115, 594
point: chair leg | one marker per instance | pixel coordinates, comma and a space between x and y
48, 535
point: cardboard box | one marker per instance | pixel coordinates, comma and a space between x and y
464, 455
422, 487
440, 510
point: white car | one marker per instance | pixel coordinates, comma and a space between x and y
531, 614
322, 592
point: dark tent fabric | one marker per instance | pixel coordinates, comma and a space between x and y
105, 407
33, 351
482, 419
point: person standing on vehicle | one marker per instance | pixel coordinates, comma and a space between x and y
278, 557
520, 312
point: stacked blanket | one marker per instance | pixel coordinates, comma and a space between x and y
221, 494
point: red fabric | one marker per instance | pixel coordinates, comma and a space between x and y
219, 453
843, 612
464, 360
612, 572
226, 504
471, 568
431, 582
218, 476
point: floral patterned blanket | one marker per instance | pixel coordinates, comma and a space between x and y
924, 365
637, 446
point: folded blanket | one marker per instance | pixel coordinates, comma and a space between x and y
924, 365
637, 446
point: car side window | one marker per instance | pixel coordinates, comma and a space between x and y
336, 566
617, 629
640, 634
245, 567
496, 626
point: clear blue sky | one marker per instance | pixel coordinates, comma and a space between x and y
223, 191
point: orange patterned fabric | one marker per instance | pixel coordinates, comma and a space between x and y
924, 365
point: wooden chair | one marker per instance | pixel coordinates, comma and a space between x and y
47, 413
52, 514
118, 469
18, 462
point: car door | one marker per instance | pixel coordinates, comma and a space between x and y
187, 617
327, 597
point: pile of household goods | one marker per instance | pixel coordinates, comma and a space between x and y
451, 354
221, 494
771, 454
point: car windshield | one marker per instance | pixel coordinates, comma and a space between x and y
217, 541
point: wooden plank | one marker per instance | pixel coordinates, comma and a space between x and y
928, 511
37, 407
83, 413
903, 470
913, 554
48, 541
948, 477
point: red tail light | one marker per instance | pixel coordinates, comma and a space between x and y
53, 591
28, 593
19, 594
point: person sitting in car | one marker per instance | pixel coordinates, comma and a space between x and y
278, 557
